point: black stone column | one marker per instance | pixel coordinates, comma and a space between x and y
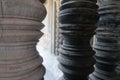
78, 19
107, 41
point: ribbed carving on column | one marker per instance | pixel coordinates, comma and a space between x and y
77, 24
20, 25
107, 42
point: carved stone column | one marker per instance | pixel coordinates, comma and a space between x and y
20, 25
77, 24
107, 42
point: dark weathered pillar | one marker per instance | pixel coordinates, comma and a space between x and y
77, 24
20, 25
107, 42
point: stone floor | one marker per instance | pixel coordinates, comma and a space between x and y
51, 64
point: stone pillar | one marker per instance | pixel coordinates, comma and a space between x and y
107, 42
77, 24
20, 25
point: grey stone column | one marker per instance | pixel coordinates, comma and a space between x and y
20, 25
107, 42
77, 24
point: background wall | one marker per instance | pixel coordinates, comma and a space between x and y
45, 42
46, 45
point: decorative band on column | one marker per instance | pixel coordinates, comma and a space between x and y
77, 24
20, 25
107, 42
